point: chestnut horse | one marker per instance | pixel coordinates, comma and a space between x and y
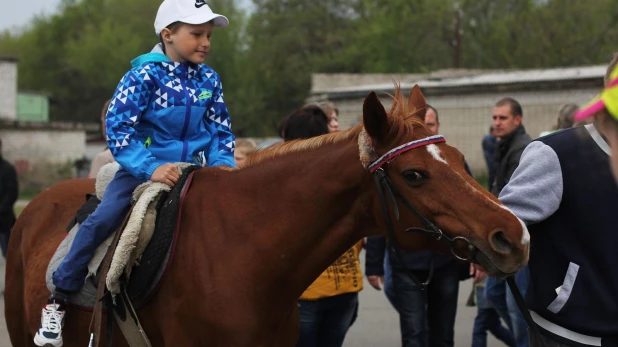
251, 240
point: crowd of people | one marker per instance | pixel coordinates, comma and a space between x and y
540, 181
562, 185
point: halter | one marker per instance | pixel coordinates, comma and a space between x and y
387, 190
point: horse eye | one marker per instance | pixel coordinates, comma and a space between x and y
413, 176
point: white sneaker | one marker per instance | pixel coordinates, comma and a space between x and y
50, 331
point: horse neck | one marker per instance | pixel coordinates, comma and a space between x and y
306, 209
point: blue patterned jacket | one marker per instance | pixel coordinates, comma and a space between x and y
166, 112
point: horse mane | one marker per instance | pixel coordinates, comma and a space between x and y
303, 145
400, 109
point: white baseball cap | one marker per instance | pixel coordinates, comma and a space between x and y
187, 11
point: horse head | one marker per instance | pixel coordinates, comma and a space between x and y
424, 189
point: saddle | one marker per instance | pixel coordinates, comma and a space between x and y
144, 246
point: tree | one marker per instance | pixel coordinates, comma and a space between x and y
536, 34
288, 40
265, 58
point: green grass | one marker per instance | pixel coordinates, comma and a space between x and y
28, 194
18, 210
482, 180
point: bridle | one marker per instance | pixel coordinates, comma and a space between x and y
388, 192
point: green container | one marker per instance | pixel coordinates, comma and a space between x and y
32, 107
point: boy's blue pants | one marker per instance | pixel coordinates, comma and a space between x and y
72, 272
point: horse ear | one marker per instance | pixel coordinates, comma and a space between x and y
375, 118
416, 101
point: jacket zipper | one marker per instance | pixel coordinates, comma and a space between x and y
185, 127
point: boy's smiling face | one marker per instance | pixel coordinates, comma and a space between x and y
188, 42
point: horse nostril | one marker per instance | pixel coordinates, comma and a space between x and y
500, 244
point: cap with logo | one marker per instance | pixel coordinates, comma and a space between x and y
187, 11
608, 99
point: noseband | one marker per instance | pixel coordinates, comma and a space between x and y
388, 192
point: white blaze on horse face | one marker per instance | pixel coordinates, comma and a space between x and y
435, 153
525, 235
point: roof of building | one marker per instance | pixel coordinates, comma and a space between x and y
8, 59
487, 79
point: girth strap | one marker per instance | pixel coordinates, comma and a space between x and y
97, 313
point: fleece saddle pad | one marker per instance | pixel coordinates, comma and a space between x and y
148, 269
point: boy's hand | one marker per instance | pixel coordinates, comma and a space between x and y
166, 173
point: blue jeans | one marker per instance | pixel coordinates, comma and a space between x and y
388, 280
501, 298
488, 319
324, 322
108, 216
427, 317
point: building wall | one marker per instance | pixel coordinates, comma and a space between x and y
465, 119
8, 89
51, 146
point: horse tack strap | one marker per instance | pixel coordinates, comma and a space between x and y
383, 188
395, 152
129, 324
521, 304
97, 313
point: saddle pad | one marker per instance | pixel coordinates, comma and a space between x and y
151, 266
146, 276
87, 295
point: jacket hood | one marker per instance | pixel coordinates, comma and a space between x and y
155, 56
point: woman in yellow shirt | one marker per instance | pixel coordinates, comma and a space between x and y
329, 306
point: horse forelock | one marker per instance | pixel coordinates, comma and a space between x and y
403, 109
404, 117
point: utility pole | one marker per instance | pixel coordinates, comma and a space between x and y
458, 35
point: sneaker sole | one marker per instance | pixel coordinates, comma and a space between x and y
45, 344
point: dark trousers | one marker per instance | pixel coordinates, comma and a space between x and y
388, 280
501, 298
488, 319
325, 322
427, 317
5, 234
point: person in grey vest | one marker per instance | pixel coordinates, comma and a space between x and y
564, 191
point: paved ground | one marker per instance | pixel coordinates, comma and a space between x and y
377, 323
4, 335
